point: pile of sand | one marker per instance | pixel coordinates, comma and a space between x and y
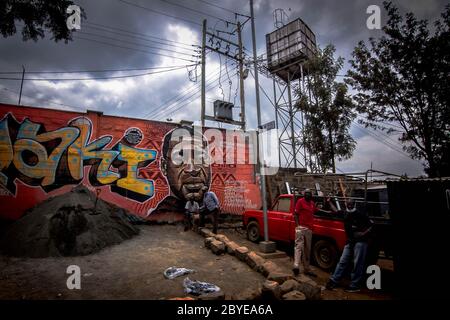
71, 224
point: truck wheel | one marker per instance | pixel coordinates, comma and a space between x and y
253, 231
325, 254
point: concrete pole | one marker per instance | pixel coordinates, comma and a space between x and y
21, 84
266, 246
241, 77
203, 73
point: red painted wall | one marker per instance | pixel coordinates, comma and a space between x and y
46, 152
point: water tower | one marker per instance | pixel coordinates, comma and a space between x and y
288, 48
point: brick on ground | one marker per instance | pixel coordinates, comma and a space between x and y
231, 247
269, 267
270, 290
309, 287
279, 276
288, 285
208, 242
217, 247
294, 295
241, 253
254, 261
221, 237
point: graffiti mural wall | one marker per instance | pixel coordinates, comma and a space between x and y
45, 152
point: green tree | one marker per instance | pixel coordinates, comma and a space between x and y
404, 79
328, 109
36, 16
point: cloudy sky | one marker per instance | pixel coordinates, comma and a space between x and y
133, 34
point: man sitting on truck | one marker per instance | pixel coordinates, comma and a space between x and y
358, 229
304, 218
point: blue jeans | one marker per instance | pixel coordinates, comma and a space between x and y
358, 252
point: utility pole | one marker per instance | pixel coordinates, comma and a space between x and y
241, 75
21, 84
237, 57
265, 246
203, 73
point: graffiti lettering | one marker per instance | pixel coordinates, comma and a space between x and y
56, 158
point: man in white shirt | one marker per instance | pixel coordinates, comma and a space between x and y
210, 207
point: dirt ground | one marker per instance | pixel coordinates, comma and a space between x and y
130, 270
238, 235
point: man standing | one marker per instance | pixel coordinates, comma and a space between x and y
192, 208
212, 208
304, 218
357, 228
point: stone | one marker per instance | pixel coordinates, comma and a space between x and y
270, 290
269, 267
267, 246
241, 253
294, 295
288, 285
248, 294
279, 277
221, 237
231, 247
217, 247
309, 287
205, 232
254, 261
273, 255
208, 242
220, 295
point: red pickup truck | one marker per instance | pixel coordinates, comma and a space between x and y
328, 232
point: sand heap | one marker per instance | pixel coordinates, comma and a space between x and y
71, 224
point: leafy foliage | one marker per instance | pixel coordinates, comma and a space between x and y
329, 111
36, 15
404, 78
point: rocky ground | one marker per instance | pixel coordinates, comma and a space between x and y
130, 270
134, 270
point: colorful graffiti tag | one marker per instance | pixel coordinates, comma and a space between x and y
55, 158
45, 152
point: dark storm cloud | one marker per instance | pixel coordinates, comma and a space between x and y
342, 23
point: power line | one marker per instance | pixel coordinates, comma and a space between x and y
46, 100
95, 78
138, 44
184, 102
379, 139
222, 8
159, 12
134, 49
180, 98
142, 38
94, 71
102, 27
197, 11
191, 99
174, 98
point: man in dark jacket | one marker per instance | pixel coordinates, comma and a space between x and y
357, 228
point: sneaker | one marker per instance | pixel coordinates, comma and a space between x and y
311, 274
352, 289
331, 285
296, 271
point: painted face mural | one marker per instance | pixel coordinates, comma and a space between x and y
185, 162
142, 166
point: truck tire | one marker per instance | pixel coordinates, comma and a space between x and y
325, 254
253, 231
